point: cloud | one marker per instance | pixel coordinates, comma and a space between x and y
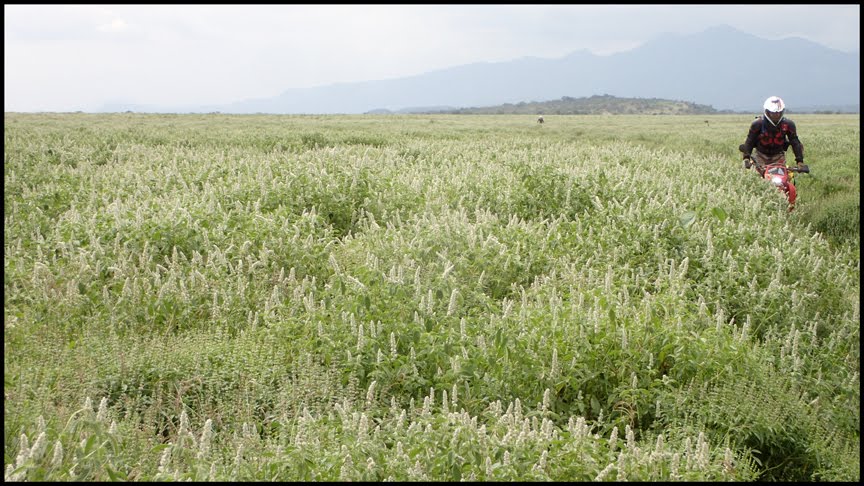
116, 25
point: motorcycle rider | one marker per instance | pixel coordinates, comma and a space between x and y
771, 134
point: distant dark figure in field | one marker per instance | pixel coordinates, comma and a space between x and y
540, 119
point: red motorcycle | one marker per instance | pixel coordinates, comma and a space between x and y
781, 176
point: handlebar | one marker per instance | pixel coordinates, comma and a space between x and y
805, 169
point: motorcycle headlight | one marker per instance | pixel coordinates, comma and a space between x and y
777, 181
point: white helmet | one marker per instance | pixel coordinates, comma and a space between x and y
774, 109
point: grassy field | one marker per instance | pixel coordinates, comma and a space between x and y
444, 297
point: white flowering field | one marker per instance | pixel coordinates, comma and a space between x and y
409, 298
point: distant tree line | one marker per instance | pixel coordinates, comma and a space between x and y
601, 105
593, 105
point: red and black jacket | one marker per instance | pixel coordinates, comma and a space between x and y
772, 140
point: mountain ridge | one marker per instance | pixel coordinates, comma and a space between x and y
594, 105
712, 67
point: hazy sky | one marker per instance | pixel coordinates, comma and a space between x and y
78, 57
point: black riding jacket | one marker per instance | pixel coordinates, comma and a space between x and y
771, 140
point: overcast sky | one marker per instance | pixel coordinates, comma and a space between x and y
79, 57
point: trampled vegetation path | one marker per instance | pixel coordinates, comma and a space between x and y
441, 297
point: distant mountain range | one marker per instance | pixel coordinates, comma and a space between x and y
722, 68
